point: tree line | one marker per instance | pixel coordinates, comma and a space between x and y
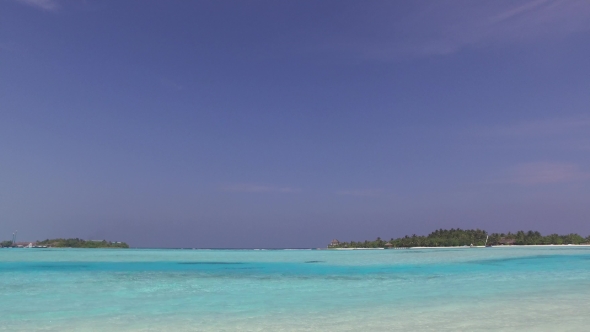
73, 243
459, 237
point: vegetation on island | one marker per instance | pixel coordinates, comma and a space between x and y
5, 244
72, 243
459, 237
79, 243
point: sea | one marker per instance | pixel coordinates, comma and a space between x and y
544, 288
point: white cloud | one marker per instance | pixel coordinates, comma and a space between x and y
50, 5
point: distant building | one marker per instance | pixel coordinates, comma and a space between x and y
388, 245
506, 241
24, 244
334, 243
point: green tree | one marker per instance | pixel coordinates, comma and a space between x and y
460, 237
5, 244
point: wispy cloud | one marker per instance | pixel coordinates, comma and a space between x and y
446, 26
49, 5
546, 173
520, 9
362, 192
255, 188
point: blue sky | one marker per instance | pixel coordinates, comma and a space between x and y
290, 123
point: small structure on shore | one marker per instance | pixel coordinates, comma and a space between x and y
388, 245
334, 243
24, 244
505, 241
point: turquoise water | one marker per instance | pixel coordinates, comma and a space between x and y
523, 288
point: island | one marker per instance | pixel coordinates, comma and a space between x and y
66, 243
457, 237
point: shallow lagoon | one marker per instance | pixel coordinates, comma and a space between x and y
524, 288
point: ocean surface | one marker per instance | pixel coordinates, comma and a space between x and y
471, 289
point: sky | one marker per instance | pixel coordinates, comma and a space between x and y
270, 124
